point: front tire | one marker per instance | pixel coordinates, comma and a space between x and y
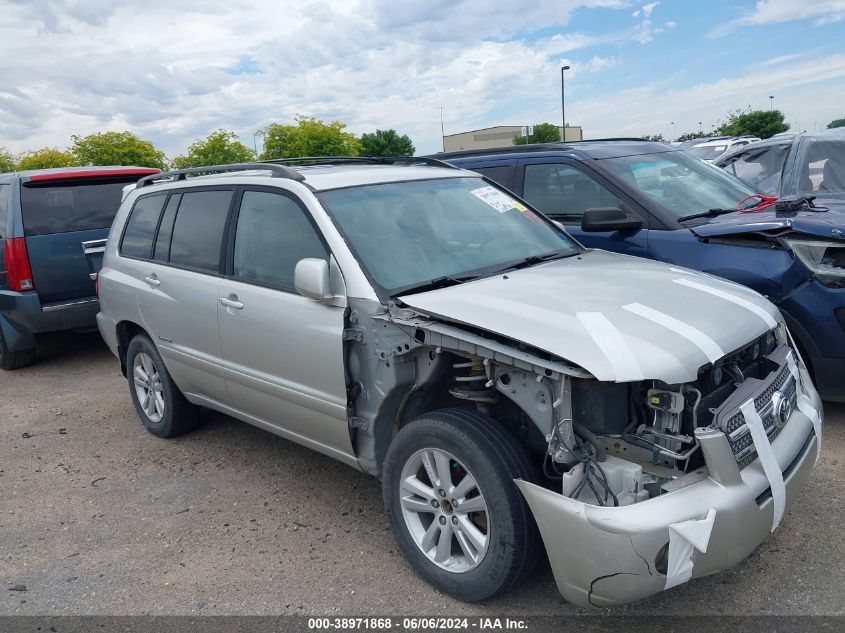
159, 403
453, 507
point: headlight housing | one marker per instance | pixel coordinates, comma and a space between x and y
825, 259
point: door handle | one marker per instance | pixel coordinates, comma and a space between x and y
153, 281
231, 303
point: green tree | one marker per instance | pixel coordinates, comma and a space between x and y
7, 162
116, 148
836, 123
688, 136
45, 158
386, 143
218, 148
760, 123
542, 133
309, 137
655, 137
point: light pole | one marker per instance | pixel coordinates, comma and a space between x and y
673, 131
442, 132
563, 102
255, 142
699, 127
771, 102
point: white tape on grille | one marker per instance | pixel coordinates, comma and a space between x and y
683, 538
698, 338
767, 459
612, 344
727, 296
804, 405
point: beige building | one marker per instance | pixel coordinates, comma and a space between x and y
499, 136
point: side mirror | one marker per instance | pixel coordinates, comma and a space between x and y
311, 279
611, 219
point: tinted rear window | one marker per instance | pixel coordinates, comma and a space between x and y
141, 227
65, 206
198, 230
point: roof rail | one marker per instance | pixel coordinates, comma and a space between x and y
534, 147
371, 160
276, 171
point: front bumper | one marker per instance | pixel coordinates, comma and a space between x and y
608, 555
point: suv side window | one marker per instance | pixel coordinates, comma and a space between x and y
497, 174
273, 233
563, 192
198, 230
760, 167
141, 227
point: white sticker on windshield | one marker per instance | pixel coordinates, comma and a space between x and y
496, 199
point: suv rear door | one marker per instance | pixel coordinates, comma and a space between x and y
66, 219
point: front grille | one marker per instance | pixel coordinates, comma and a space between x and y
739, 435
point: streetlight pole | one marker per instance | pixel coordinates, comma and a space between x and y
563, 102
673, 131
699, 127
442, 132
771, 102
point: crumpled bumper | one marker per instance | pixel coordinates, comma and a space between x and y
608, 555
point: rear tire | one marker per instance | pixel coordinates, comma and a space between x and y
491, 539
159, 403
14, 360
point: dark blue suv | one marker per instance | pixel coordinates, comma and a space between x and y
53, 229
649, 199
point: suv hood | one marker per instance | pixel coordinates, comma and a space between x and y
823, 224
621, 318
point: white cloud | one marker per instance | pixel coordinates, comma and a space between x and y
598, 63
777, 11
175, 74
671, 24
648, 8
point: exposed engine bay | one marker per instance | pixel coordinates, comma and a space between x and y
602, 443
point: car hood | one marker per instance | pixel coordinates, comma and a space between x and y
621, 318
823, 224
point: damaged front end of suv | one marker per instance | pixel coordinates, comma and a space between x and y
659, 427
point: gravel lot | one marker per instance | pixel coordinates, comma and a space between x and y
104, 518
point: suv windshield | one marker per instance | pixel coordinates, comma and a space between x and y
413, 233
680, 184
707, 152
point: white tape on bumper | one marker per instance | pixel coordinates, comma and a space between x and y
805, 406
683, 538
698, 338
767, 459
612, 344
727, 296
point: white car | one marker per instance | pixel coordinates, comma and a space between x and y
711, 149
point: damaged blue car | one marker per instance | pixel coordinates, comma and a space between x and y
647, 199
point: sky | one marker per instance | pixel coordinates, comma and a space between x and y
174, 71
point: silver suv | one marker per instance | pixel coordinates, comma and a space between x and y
422, 324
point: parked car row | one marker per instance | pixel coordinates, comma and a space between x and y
511, 388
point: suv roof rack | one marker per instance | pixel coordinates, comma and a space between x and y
537, 147
276, 171
371, 160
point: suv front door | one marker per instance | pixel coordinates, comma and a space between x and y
282, 352
563, 190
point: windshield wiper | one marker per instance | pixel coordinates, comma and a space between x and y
436, 283
710, 213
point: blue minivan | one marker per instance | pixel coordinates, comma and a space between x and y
53, 229
651, 200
